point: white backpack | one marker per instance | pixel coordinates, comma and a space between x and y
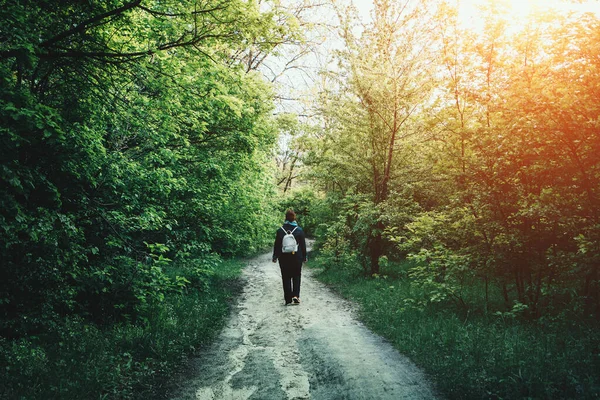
289, 244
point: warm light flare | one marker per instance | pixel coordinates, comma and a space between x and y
470, 10
521, 9
518, 8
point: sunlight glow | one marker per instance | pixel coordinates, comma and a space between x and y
519, 9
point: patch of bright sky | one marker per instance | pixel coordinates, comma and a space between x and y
469, 9
521, 9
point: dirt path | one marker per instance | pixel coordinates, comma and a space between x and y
316, 350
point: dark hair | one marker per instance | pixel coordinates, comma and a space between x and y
290, 215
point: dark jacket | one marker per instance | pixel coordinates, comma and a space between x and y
300, 255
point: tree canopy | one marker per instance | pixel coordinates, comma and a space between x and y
472, 150
134, 135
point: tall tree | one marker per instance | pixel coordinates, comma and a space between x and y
384, 70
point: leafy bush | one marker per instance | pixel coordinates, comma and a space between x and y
125, 360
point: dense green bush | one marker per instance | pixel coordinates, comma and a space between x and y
76, 359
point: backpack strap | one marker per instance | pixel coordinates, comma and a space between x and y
283, 229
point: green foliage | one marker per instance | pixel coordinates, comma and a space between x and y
345, 236
159, 156
440, 273
485, 183
76, 358
311, 212
134, 148
337, 252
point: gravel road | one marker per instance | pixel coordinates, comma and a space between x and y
316, 350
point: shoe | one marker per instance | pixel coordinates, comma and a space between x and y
295, 300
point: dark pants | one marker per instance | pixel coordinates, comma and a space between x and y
290, 275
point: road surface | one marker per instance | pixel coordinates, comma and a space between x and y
316, 350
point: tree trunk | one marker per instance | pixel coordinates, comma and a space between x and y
592, 291
487, 299
505, 294
375, 251
519, 283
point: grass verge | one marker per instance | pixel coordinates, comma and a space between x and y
78, 360
471, 355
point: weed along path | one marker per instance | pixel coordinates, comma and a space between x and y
316, 350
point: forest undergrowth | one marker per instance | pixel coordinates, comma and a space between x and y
80, 360
468, 353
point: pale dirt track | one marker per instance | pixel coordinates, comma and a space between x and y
316, 350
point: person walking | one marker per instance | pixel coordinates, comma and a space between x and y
290, 257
